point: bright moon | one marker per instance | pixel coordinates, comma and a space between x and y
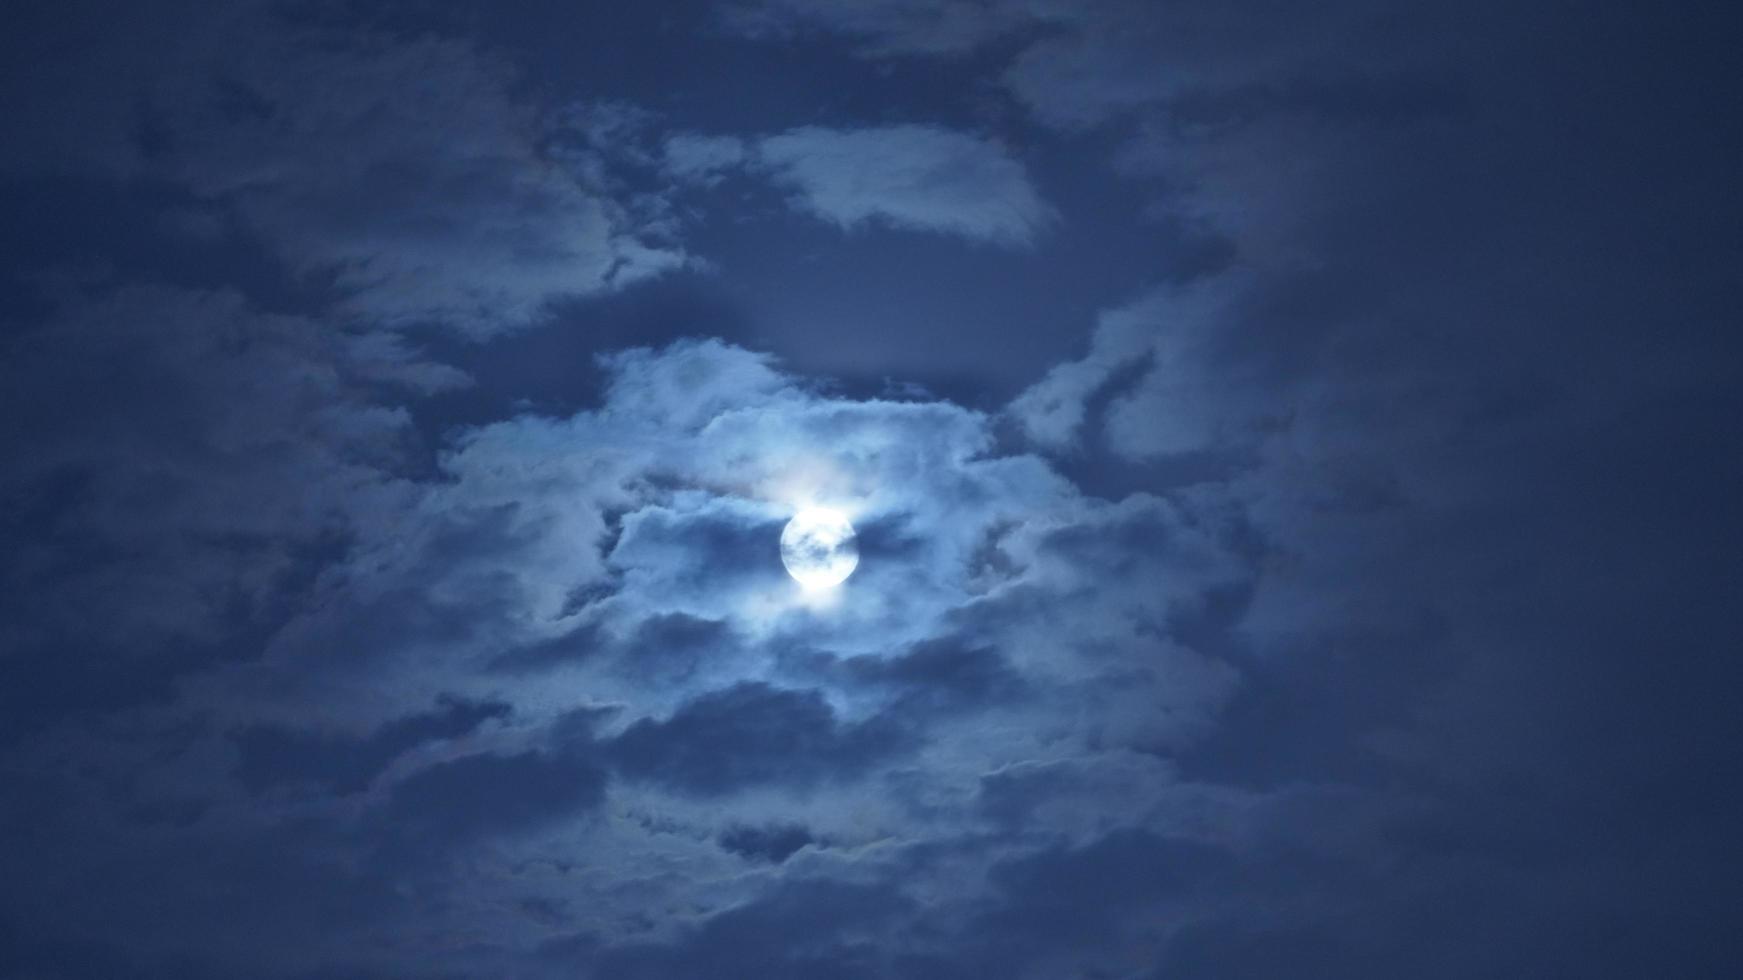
819, 549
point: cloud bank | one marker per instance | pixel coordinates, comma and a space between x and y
596, 607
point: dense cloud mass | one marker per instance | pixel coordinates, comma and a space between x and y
1290, 450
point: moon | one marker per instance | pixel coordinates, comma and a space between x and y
819, 548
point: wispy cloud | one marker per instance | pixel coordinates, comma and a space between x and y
914, 177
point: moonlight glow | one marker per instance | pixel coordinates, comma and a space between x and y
819, 549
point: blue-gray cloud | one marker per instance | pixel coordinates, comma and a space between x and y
410, 174
908, 177
922, 178
489, 794
272, 756
623, 562
407, 174
774, 843
749, 735
1348, 598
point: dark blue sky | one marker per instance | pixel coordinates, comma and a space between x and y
1293, 449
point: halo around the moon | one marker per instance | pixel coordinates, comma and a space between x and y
819, 548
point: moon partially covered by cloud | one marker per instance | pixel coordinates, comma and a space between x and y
819, 548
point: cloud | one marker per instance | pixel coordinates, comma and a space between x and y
677, 702
1076, 802
138, 418
920, 178
1100, 896
1165, 374
1079, 66
893, 27
773, 843
908, 177
671, 495
272, 756
407, 177
677, 647
695, 157
490, 794
620, 669
946, 672
408, 172
800, 929
752, 734
1122, 58
1104, 906
1231, 644
85, 121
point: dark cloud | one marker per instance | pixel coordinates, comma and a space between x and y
138, 419
934, 678
1079, 899
753, 734
546, 653
22, 957
272, 756
888, 27
486, 794
944, 670
402, 169
803, 927
773, 843
676, 646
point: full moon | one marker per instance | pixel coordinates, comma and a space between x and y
819, 549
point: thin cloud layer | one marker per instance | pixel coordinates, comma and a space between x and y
407, 174
889, 27
138, 422
411, 175
919, 178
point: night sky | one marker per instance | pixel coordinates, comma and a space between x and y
1295, 452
